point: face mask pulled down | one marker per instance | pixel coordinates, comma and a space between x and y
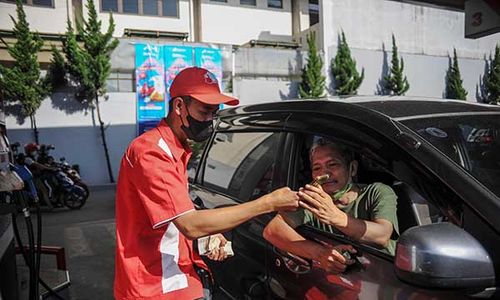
339, 195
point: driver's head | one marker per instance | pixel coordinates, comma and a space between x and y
335, 160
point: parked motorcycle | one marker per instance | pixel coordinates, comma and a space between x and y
62, 184
69, 185
65, 190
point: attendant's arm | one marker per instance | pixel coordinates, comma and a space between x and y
199, 223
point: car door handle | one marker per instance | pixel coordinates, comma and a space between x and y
293, 263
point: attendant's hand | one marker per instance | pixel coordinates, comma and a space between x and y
218, 253
283, 199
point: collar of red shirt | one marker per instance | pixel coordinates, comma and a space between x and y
175, 145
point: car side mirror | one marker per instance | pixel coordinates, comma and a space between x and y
443, 255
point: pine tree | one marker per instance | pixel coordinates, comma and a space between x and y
394, 82
313, 82
491, 79
343, 66
22, 83
454, 88
89, 64
56, 74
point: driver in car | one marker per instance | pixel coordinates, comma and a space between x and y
363, 212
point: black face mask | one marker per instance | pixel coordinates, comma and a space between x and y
197, 131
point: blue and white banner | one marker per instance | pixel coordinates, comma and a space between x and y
210, 59
156, 68
177, 58
150, 84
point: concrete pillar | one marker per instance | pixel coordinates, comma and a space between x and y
197, 21
296, 26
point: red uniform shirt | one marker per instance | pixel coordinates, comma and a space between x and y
153, 259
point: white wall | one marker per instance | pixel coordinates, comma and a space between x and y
426, 74
64, 123
41, 19
232, 23
173, 24
223, 23
425, 38
261, 90
418, 29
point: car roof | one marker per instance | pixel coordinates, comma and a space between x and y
401, 107
396, 107
380, 113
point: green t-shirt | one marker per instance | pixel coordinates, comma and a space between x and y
375, 201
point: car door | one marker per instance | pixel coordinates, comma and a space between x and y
372, 276
240, 166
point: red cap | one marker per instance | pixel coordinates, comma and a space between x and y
201, 85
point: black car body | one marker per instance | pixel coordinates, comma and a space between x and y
440, 157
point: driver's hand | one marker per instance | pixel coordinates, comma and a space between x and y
331, 260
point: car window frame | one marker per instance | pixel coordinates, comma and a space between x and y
293, 163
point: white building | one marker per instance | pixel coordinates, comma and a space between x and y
212, 21
425, 36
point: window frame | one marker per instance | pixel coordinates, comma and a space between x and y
115, 82
415, 182
140, 9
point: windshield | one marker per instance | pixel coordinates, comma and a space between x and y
472, 141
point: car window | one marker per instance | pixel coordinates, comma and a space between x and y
241, 164
471, 141
375, 196
420, 199
194, 161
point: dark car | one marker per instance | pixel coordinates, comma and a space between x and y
442, 158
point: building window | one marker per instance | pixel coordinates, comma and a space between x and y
120, 82
313, 12
44, 3
275, 3
110, 5
160, 8
170, 8
225, 1
150, 7
131, 7
248, 2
